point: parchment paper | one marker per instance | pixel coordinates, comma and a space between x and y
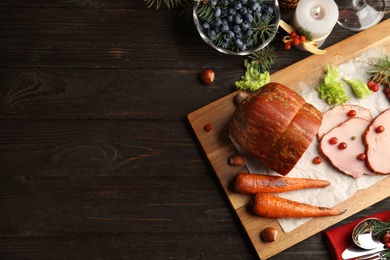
342, 186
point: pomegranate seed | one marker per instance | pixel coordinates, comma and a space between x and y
361, 157
342, 146
351, 113
380, 129
208, 127
333, 140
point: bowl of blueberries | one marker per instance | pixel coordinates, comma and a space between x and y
237, 27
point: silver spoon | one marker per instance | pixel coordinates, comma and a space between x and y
362, 234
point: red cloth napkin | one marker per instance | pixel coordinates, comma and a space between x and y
338, 239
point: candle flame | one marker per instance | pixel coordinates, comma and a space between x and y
318, 10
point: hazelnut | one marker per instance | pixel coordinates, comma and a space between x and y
207, 76
237, 160
241, 96
269, 234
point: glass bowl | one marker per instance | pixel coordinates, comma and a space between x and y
260, 44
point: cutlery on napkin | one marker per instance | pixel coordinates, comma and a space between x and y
340, 238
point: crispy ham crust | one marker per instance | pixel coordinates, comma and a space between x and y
276, 125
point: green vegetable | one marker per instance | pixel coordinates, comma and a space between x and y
358, 86
331, 90
253, 79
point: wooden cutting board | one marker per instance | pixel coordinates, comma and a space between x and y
219, 148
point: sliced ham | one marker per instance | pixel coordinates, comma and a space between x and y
346, 160
378, 144
339, 114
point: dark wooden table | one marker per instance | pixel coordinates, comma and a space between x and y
98, 159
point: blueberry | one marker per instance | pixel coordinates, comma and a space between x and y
238, 43
243, 10
225, 45
244, 26
249, 33
230, 34
237, 5
231, 11
238, 19
212, 34
243, 47
268, 9
255, 6
238, 35
206, 25
236, 29
230, 18
225, 2
213, 2
217, 22
249, 43
248, 18
225, 28
224, 12
217, 12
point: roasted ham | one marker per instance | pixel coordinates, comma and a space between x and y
276, 125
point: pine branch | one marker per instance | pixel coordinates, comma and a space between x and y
263, 59
169, 3
263, 29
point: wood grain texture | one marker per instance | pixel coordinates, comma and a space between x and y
97, 157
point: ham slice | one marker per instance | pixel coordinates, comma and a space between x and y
339, 114
275, 125
346, 160
378, 144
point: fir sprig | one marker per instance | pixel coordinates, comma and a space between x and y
262, 60
169, 3
262, 28
305, 32
379, 228
380, 71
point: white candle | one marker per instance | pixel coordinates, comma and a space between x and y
317, 16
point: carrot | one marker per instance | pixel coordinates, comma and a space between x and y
267, 205
254, 183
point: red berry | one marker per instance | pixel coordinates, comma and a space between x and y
386, 90
302, 38
351, 113
317, 160
287, 45
374, 86
361, 157
380, 129
333, 140
208, 127
293, 34
296, 41
342, 146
